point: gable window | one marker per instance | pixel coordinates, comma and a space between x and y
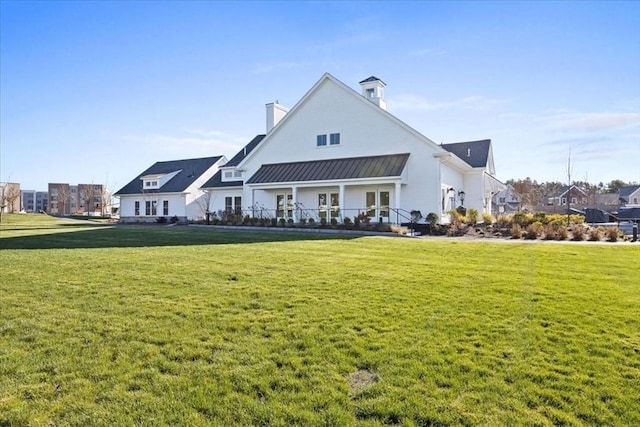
502, 199
228, 174
321, 140
136, 208
165, 207
334, 139
574, 200
564, 201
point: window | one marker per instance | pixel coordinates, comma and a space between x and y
574, 200
284, 205
564, 201
321, 140
136, 208
370, 92
502, 199
147, 183
151, 208
228, 204
228, 174
165, 207
237, 202
334, 139
237, 174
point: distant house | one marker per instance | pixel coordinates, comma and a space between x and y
629, 195
338, 154
168, 189
568, 195
506, 201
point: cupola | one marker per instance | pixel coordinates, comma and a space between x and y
373, 90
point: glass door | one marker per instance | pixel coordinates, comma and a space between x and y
284, 205
377, 203
326, 210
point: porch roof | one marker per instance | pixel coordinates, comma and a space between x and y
333, 169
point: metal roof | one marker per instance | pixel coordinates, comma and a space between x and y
332, 169
189, 171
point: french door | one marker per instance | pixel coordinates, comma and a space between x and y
284, 205
328, 205
377, 203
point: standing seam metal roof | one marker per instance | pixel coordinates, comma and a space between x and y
332, 169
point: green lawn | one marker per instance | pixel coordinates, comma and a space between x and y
148, 325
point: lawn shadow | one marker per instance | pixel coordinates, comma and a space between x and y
132, 236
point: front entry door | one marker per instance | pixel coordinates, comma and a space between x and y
378, 205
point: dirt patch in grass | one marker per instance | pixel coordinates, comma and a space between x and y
360, 380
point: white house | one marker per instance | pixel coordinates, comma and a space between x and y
168, 189
339, 153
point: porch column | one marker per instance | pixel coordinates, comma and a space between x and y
294, 200
341, 201
397, 194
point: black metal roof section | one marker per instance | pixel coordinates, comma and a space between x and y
372, 79
190, 170
629, 214
474, 153
240, 155
217, 182
333, 169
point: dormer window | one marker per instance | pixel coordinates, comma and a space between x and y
370, 92
228, 174
150, 184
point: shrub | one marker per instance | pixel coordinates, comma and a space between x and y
274, 222
174, 219
487, 219
549, 232
472, 216
578, 233
455, 217
576, 219
562, 233
516, 231
323, 221
290, 222
503, 221
312, 222
347, 222
281, 222
594, 234
416, 216
522, 219
540, 217
613, 234
334, 222
432, 218
356, 222
303, 221
161, 220
533, 231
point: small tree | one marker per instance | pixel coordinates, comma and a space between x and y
10, 195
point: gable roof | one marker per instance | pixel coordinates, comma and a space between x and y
325, 170
564, 189
327, 77
628, 190
216, 182
240, 155
188, 171
474, 153
372, 79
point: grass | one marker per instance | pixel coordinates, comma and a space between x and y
147, 325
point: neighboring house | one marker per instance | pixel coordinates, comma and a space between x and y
506, 201
168, 189
9, 197
338, 153
568, 195
607, 201
629, 195
34, 201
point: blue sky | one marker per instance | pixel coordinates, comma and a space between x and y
95, 92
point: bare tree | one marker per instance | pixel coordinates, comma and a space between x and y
64, 197
10, 195
204, 203
85, 196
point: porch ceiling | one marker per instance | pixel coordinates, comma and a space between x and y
332, 169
